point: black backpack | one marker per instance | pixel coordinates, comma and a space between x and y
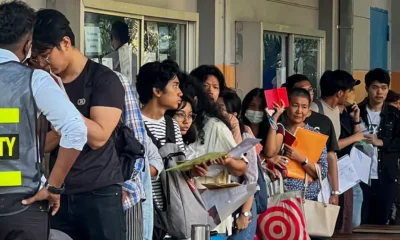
261, 196
128, 148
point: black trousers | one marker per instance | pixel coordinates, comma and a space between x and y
31, 224
378, 201
93, 215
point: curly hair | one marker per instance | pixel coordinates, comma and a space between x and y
206, 108
204, 71
16, 20
154, 75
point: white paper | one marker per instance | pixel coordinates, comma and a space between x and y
92, 40
347, 174
163, 38
326, 189
108, 62
223, 202
242, 148
362, 164
150, 57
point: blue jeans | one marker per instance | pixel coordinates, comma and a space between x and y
147, 206
357, 204
250, 231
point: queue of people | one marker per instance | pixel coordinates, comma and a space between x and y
111, 138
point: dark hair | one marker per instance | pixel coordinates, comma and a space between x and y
120, 30
264, 125
154, 75
233, 104
334, 81
295, 78
205, 107
191, 134
299, 92
204, 71
392, 97
16, 20
377, 74
50, 29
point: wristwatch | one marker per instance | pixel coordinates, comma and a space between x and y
53, 189
305, 162
335, 193
246, 214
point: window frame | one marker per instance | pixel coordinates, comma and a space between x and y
296, 32
147, 13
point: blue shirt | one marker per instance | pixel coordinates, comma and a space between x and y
53, 103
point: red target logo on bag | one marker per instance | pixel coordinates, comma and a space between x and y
284, 221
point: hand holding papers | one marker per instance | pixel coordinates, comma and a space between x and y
235, 153
275, 96
362, 164
312, 149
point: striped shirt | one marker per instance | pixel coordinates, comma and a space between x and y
158, 129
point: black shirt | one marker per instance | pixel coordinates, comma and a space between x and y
322, 124
325, 126
94, 168
347, 130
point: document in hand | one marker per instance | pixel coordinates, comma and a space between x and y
236, 153
362, 164
221, 203
275, 96
347, 174
310, 144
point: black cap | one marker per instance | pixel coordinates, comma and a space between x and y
335, 81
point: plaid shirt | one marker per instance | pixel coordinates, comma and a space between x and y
133, 120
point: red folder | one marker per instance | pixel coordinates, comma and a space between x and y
275, 95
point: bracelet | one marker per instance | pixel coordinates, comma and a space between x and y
272, 123
356, 123
335, 193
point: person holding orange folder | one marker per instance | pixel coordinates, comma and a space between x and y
299, 104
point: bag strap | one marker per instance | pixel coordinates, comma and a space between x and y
319, 175
170, 130
89, 81
320, 107
153, 139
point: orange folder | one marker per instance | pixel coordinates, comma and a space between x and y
310, 144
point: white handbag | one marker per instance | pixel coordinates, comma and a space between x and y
320, 217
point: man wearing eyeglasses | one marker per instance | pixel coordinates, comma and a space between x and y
24, 94
93, 194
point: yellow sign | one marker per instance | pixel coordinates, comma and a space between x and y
9, 115
9, 146
10, 179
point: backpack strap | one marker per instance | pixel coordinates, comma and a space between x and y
319, 104
170, 130
87, 92
155, 141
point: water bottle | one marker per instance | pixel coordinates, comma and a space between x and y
200, 232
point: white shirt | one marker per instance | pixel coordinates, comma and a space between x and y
374, 120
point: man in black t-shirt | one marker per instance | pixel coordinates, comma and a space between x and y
91, 206
324, 125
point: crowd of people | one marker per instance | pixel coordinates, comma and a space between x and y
110, 139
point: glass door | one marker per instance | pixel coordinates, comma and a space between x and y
274, 59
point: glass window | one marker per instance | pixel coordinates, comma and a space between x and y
306, 52
98, 43
274, 60
164, 41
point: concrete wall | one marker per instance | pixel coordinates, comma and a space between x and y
180, 5
361, 39
300, 13
36, 4
395, 46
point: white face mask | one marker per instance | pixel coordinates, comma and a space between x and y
28, 55
254, 116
